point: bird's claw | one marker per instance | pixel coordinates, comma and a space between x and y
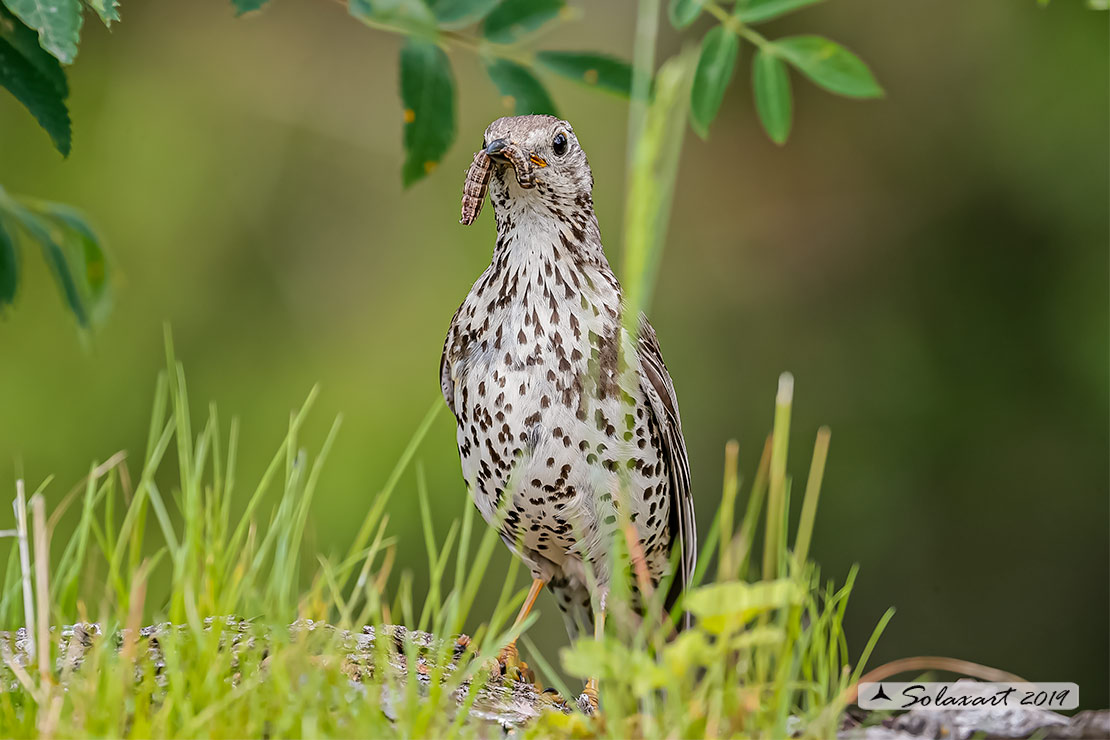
520, 673
508, 657
588, 700
512, 667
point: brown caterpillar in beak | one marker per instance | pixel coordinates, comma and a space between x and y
477, 179
475, 187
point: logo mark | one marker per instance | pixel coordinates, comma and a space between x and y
880, 695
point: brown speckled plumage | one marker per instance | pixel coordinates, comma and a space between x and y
549, 414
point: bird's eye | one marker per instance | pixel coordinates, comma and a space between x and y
484, 145
559, 144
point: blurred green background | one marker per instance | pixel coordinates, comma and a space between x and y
932, 267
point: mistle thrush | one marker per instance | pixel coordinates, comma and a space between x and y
550, 412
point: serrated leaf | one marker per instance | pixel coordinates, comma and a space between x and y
247, 6
9, 267
771, 88
829, 65
411, 15
595, 70
458, 13
513, 18
757, 11
37, 93
428, 95
58, 23
106, 9
684, 12
715, 64
25, 41
523, 93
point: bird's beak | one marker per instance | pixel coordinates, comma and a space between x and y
495, 150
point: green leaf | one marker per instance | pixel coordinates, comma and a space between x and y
428, 94
757, 11
38, 93
25, 41
457, 13
57, 21
247, 6
9, 267
513, 18
106, 9
595, 70
715, 64
523, 92
684, 12
411, 15
829, 65
72, 252
50, 239
71, 249
609, 659
727, 607
85, 253
771, 87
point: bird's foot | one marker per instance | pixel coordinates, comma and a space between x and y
509, 656
588, 700
512, 667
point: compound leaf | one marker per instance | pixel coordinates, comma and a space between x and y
513, 18
410, 15
457, 13
771, 87
596, 70
715, 64
829, 65
523, 93
684, 12
428, 95
757, 11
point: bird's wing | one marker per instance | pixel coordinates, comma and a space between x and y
656, 384
446, 384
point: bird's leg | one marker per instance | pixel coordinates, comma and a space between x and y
509, 656
590, 693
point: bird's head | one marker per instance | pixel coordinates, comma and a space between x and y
560, 171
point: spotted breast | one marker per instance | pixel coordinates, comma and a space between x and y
563, 415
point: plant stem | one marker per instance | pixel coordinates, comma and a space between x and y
480, 47
732, 23
643, 67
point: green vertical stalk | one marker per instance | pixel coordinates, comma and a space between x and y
728, 500
643, 67
773, 542
652, 169
813, 492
